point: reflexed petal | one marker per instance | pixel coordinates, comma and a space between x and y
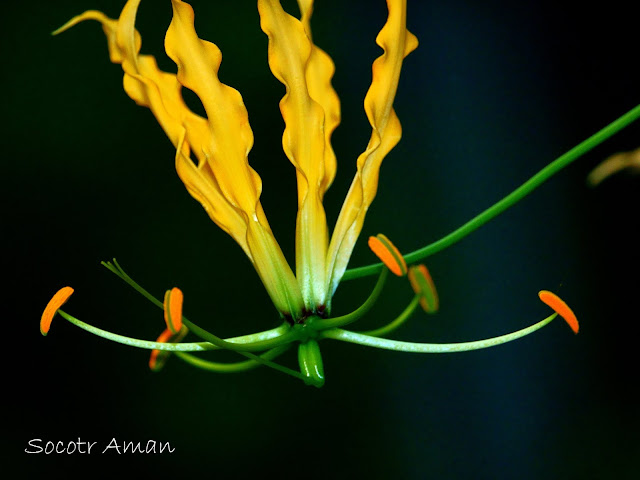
222, 180
319, 72
397, 42
304, 139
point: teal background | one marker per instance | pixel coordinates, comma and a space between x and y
494, 92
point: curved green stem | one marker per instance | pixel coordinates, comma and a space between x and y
412, 347
357, 313
394, 324
234, 367
514, 197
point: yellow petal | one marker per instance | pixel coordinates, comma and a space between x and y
230, 141
319, 72
304, 140
159, 91
221, 180
397, 42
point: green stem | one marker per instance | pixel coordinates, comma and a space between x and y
511, 199
356, 314
399, 346
399, 320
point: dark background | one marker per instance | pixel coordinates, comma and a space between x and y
495, 91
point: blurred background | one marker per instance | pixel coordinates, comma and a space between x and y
494, 92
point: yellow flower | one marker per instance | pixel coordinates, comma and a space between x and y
212, 152
212, 161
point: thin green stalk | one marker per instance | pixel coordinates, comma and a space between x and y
514, 197
261, 341
397, 322
287, 337
135, 342
234, 367
412, 347
356, 314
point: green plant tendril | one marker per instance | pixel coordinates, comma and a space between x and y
514, 197
413, 347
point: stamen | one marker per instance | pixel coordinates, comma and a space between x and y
59, 299
413, 347
561, 308
173, 309
159, 357
423, 285
389, 254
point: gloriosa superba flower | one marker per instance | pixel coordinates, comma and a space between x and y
212, 160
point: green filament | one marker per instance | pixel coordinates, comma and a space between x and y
357, 313
413, 347
397, 322
234, 367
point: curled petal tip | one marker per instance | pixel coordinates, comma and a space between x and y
388, 254
59, 299
561, 308
423, 285
173, 300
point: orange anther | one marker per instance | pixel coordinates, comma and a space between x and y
52, 307
423, 285
389, 254
173, 309
561, 308
159, 357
